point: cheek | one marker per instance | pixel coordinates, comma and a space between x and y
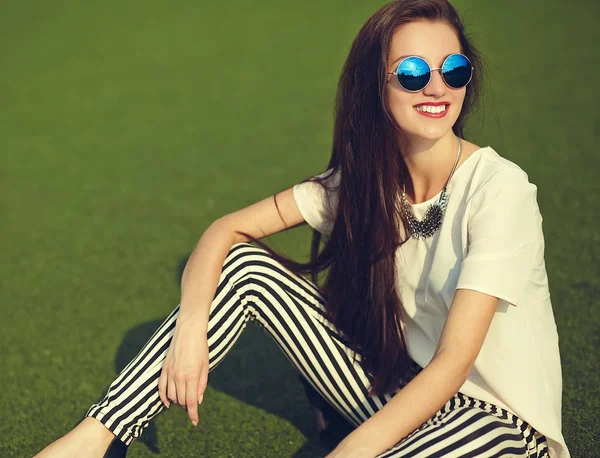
459, 100
400, 103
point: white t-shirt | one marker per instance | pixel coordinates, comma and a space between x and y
491, 240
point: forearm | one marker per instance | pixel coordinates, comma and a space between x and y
201, 275
414, 404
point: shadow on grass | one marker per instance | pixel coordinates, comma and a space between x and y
269, 382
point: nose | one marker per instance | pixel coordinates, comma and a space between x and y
436, 86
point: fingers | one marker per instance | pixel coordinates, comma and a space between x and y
192, 400
162, 388
172, 390
202, 383
180, 386
183, 391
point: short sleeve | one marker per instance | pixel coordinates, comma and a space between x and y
505, 237
317, 204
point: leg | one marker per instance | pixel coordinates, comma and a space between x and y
255, 287
467, 427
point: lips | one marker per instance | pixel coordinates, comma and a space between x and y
435, 104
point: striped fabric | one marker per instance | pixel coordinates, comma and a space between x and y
253, 286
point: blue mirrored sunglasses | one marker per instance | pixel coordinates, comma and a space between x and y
414, 73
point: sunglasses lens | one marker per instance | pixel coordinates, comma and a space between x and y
413, 73
457, 71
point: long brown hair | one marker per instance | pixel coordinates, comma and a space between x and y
362, 300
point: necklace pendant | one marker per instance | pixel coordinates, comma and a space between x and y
432, 221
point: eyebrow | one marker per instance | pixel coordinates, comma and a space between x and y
408, 55
400, 58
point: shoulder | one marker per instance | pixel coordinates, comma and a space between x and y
497, 175
502, 203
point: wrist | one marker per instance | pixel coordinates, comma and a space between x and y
193, 317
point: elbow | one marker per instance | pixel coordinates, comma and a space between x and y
226, 226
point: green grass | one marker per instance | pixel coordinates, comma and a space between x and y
128, 127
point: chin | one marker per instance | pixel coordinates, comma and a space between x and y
434, 135
430, 134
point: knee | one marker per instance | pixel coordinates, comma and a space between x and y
244, 260
242, 253
239, 249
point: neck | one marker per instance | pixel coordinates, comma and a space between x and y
429, 163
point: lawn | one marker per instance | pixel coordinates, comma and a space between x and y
128, 127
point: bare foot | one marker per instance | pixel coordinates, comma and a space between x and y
90, 438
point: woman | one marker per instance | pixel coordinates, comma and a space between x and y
433, 333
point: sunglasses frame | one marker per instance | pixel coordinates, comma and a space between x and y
431, 70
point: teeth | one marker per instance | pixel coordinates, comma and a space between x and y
431, 108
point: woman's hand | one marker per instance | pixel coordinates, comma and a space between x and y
184, 374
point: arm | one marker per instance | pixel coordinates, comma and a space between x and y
184, 373
505, 240
465, 329
203, 269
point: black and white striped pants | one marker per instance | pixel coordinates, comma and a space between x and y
253, 286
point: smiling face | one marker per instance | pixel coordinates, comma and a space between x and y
433, 41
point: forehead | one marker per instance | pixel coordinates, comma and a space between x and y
433, 41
